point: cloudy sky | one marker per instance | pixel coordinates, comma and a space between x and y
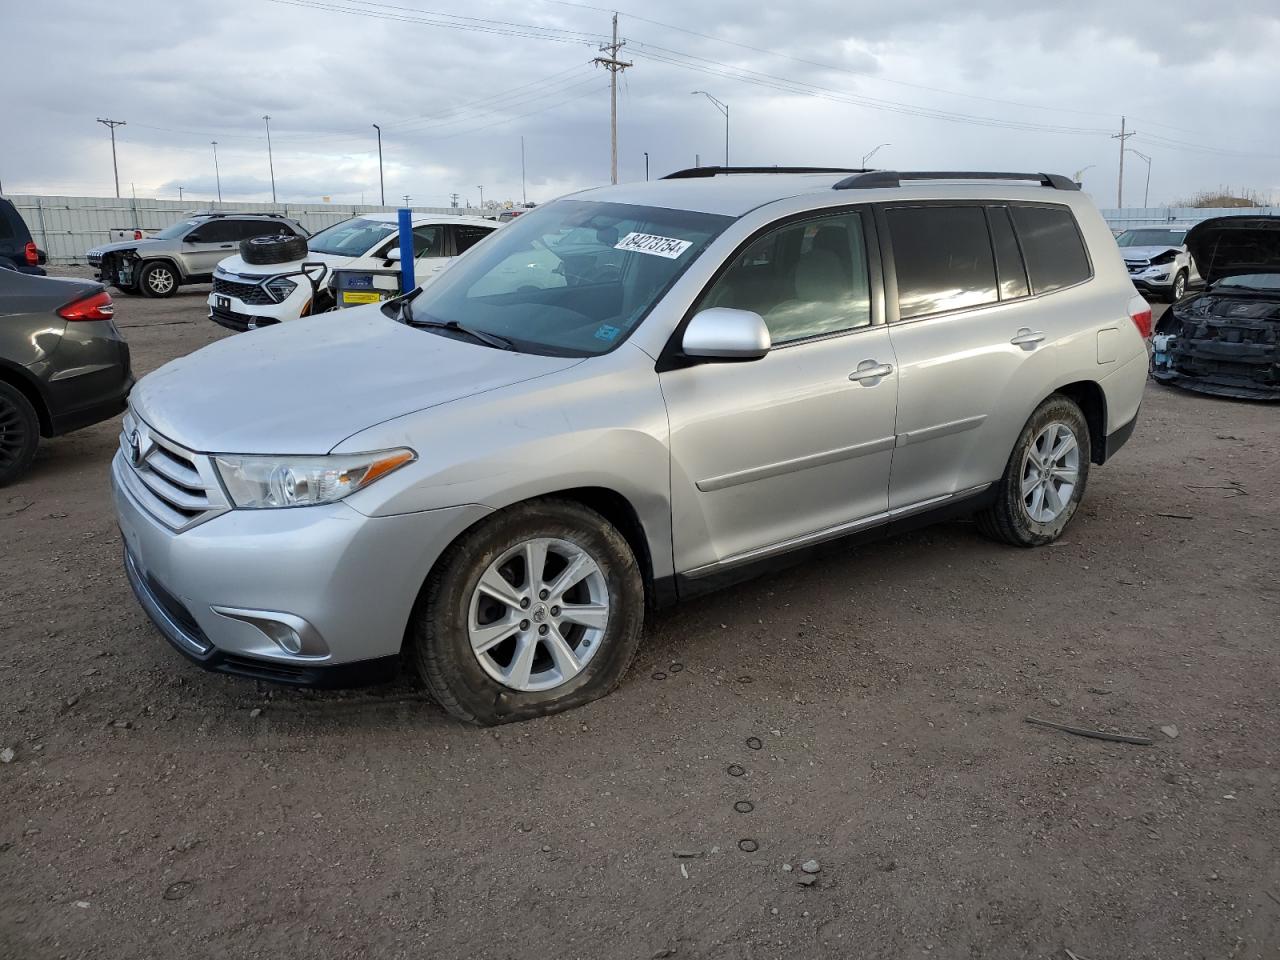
988, 84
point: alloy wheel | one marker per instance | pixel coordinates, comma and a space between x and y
538, 614
1050, 472
160, 280
13, 434
1179, 286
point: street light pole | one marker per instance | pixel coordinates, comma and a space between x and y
382, 190
867, 156
216, 173
646, 164
270, 160
1079, 177
481, 189
111, 125
723, 108
180, 189
1146, 192
524, 193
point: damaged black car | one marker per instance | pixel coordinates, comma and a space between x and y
1225, 340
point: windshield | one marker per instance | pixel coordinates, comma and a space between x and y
1151, 238
351, 238
175, 230
573, 278
1254, 281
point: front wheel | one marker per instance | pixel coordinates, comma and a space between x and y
535, 610
158, 279
1045, 477
1179, 287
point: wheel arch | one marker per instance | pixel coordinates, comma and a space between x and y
1088, 395
169, 261
25, 384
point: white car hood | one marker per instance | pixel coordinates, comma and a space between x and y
1146, 253
306, 387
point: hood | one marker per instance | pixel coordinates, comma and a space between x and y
304, 387
1148, 253
235, 264
1234, 246
125, 245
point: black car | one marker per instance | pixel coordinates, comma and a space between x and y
63, 363
1226, 340
17, 250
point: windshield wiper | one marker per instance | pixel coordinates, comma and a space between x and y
431, 323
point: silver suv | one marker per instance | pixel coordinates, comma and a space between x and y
619, 400
183, 252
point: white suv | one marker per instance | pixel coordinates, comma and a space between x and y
1158, 261
621, 399
271, 281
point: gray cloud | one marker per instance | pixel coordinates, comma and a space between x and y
454, 104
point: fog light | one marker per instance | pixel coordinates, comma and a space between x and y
291, 634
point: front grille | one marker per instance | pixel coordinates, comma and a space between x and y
1137, 266
176, 486
253, 294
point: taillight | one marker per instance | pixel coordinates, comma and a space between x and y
1140, 314
96, 306
32, 254
137, 234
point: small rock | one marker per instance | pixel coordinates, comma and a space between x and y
786, 868
546, 849
8, 755
1170, 730
806, 881
774, 911
82, 904
122, 724
91, 671
255, 712
810, 866
681, 854
1055, 702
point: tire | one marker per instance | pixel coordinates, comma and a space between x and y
158, 278
1011, 519
452, 604
269, 250
19, 433
1179, 288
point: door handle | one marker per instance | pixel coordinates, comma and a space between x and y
1026, 337
225, 246
871, 370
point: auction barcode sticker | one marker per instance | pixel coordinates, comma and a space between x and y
668, 247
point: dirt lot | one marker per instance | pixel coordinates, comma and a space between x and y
153, 810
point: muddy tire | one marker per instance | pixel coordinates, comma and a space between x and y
535, 610
1045, 477
264, 251
158, 278
19, 433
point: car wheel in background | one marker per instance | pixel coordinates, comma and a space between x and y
1179, 288
158, 279
1044, 479
269, 250
535, 610
19, 433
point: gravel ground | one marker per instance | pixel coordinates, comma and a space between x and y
872, 704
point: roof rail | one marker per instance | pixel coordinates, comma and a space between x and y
695, 172
234, 213
892, 178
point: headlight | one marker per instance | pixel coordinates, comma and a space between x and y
258, 483
280, 288
1167, 257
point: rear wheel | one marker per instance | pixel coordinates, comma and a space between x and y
19, 433
535, 610
158, 279
1044, 479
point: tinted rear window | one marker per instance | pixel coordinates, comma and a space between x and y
12, 226
1013, 274
1052, 247
942, 257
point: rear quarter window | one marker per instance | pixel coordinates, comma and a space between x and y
1052, 247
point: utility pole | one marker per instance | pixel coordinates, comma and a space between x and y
1146, 192
524, 193
382, 190
406, 199
270, 160
481, 189
216, 173
111, 125
646, 164
723, 108
453, 200
614, 66
180, 189
1122, 137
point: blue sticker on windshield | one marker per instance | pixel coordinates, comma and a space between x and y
607, 333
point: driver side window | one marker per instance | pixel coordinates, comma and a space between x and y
805, 279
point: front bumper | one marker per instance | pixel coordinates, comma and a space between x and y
350, 580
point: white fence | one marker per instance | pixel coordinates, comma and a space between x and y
65, 227
1179, 216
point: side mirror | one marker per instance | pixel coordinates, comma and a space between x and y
724, 334
394, 253
193, 238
